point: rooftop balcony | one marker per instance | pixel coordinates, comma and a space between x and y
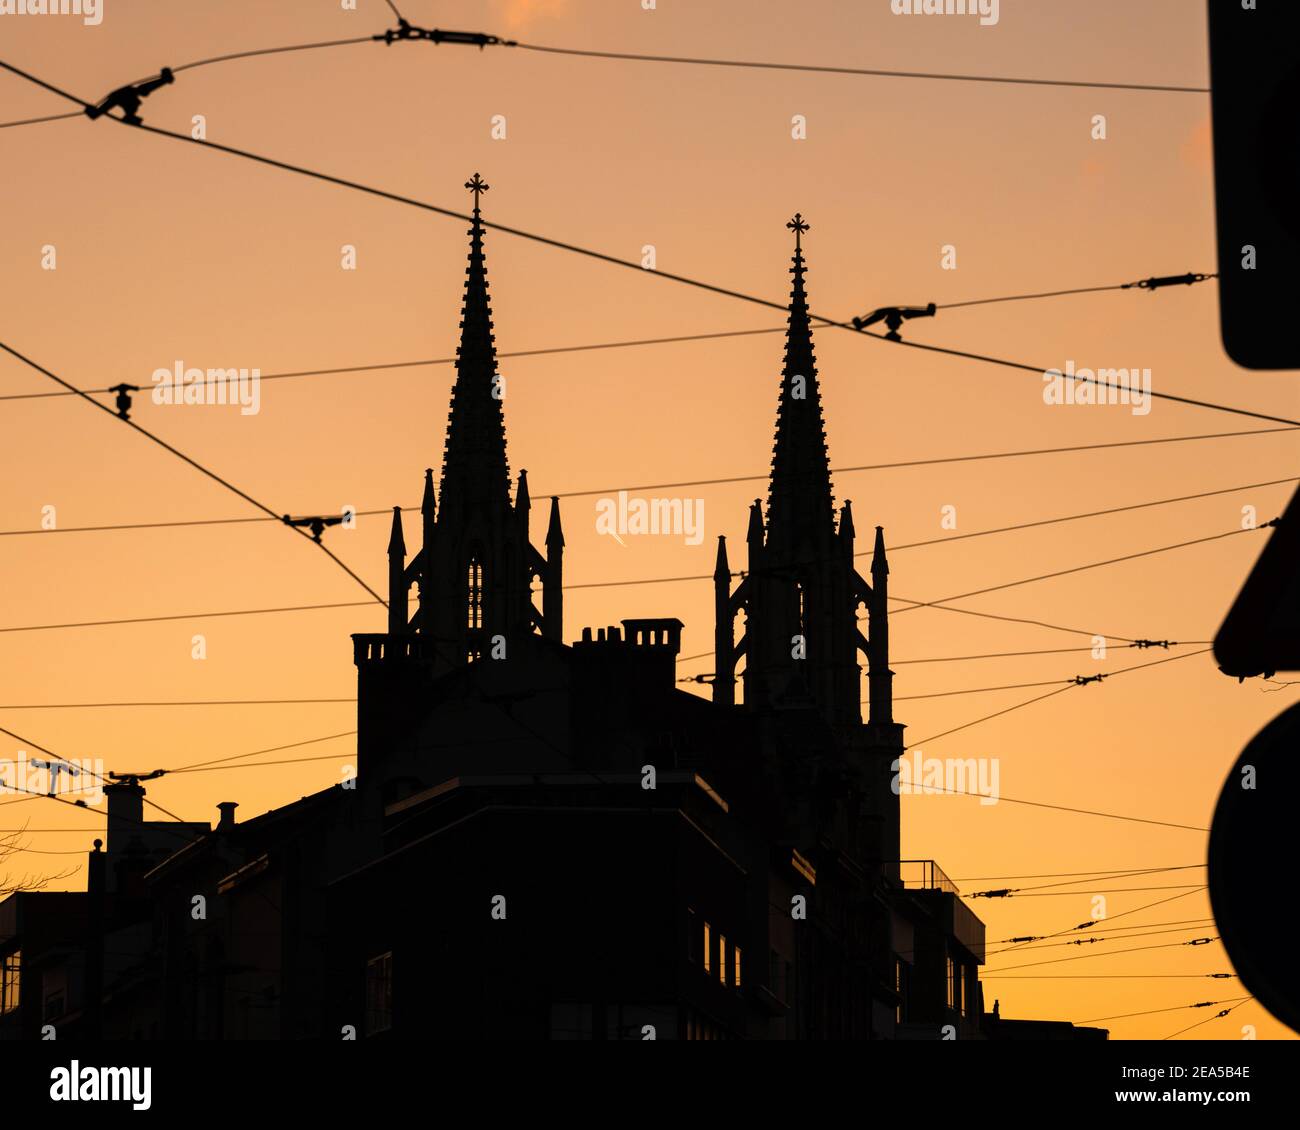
925, 875
954, 915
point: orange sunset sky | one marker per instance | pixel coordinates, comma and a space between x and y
166, 252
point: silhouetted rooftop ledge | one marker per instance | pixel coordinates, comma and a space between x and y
553, 779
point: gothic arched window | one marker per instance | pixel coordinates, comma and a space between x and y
474, 606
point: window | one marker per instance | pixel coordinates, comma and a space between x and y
379, 994
11, 968
708, 950
902, 982
474, 583
953, 974
722, 958
735, 978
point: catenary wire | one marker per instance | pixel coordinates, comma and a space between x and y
1038, 370
195, 464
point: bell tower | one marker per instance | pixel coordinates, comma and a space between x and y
802, 592
476, 567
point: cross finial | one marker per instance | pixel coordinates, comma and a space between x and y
477, 185
798, 226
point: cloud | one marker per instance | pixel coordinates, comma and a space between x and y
518, 13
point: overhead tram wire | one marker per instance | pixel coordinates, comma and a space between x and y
195, 464
1082, 875
1030, 621
1102, 891
1143, 284
48, 752
1157, 1011
1104, 928
1073, 681
81, 768
261, 51
1039, 698
310, 701
189, 616
589, 348
917, 604
349, 733
195, 522
628, 264
1037, 370
81, 807
152, 804
939, 605
1216, 1016
1190, 888
66, 761
193, 65
1112, 976
980, 690
740, 64
942, 602
1101, 953
634, 343
38, 121
1096, 877
1013, 654
945, 791
221, 763
1111, 918
1105, 933
1007, 654
861, 71
166, 703
1090, 514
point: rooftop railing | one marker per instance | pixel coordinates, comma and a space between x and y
925, 875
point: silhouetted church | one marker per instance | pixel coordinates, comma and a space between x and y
553, 841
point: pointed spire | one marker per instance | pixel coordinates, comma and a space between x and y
427, 557
474, 464
398, 588
722, 570
724, 631
847, 531
396, 544
880, 679
428, 504
800, 502
523, 503
554, 535
879, 563
553, 578
755, 533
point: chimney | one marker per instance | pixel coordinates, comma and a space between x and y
125, 814
642, 654
227, 810
623, 679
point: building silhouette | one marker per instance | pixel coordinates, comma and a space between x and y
546, 840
